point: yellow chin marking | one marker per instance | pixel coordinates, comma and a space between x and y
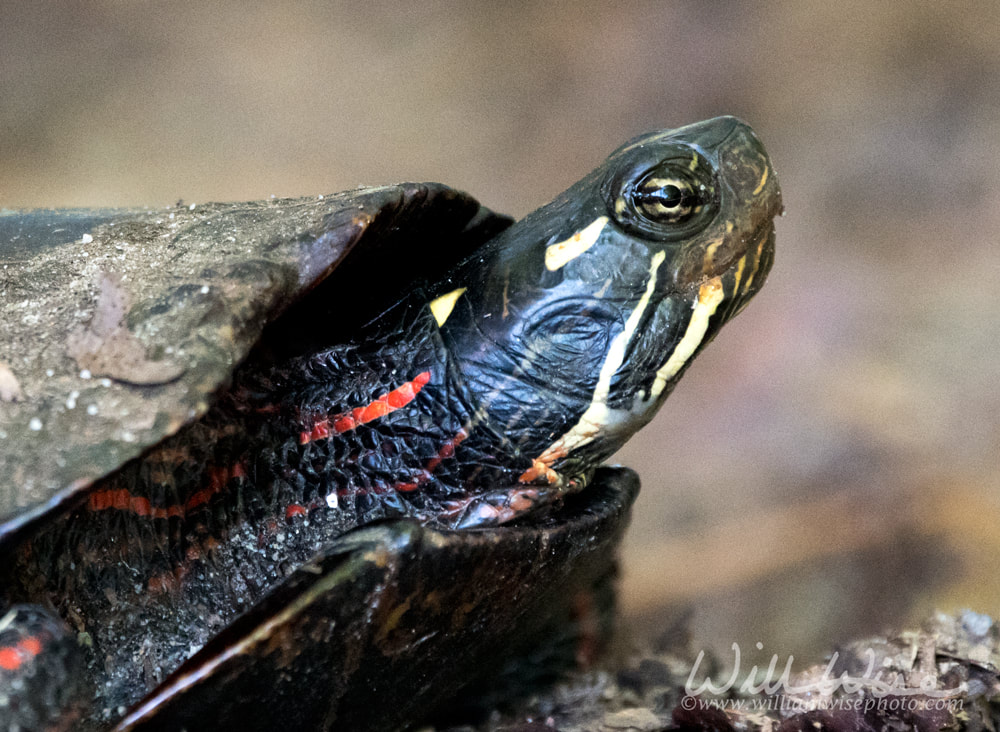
559, 254
710, 295
442, 306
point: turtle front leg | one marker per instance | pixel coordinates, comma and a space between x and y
41, 671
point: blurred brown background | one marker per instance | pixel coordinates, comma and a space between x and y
830, 466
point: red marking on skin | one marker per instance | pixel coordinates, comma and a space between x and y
344, 424
171, 581
320, 430
540, 469
389, 402
218, 478
379, 488
122, 500
12, 657
373, 411
447, 450
295, 510
32, 645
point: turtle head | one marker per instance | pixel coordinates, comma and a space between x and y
572, 327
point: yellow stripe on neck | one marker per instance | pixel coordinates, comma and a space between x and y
598, 415
442, 306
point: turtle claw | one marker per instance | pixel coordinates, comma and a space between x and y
494, 508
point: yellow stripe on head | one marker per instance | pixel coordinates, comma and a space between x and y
710, 296
562, 252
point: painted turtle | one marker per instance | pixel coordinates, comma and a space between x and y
255, 457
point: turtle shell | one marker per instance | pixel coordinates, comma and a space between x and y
120, 325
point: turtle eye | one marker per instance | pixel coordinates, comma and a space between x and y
673, 199
666, 200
